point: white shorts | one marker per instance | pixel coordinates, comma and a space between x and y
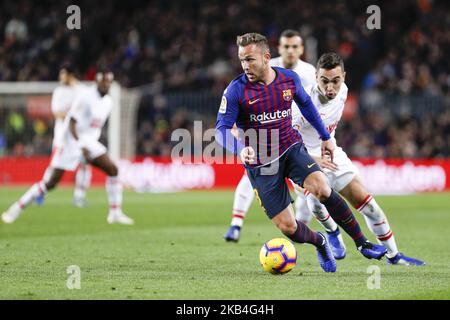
345, 173
69, 156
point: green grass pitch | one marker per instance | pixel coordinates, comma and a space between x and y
176, 251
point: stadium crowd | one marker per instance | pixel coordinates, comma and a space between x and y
190, 45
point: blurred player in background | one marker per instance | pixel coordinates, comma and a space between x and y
81, 132
62, 99
329, 96
290, 48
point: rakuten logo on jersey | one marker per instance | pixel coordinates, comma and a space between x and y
267, 117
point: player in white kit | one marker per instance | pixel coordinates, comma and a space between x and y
290, 49
329, 96
62, 99
81, 131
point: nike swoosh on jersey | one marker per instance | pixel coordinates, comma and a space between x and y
311, 165
252, 101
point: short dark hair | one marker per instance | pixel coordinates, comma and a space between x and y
330, 60
289, 33
253, 38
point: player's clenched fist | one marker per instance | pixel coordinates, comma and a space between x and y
248, 155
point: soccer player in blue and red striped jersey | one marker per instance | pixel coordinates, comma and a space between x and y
259, 102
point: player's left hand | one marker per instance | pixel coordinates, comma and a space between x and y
327, 148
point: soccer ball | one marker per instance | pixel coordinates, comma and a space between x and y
278, 256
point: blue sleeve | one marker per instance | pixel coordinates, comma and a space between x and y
226, 118
308, 109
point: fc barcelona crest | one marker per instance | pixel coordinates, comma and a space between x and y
287, 95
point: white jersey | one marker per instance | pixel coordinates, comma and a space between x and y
62, 99
91, 111
305, 70
330, 111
